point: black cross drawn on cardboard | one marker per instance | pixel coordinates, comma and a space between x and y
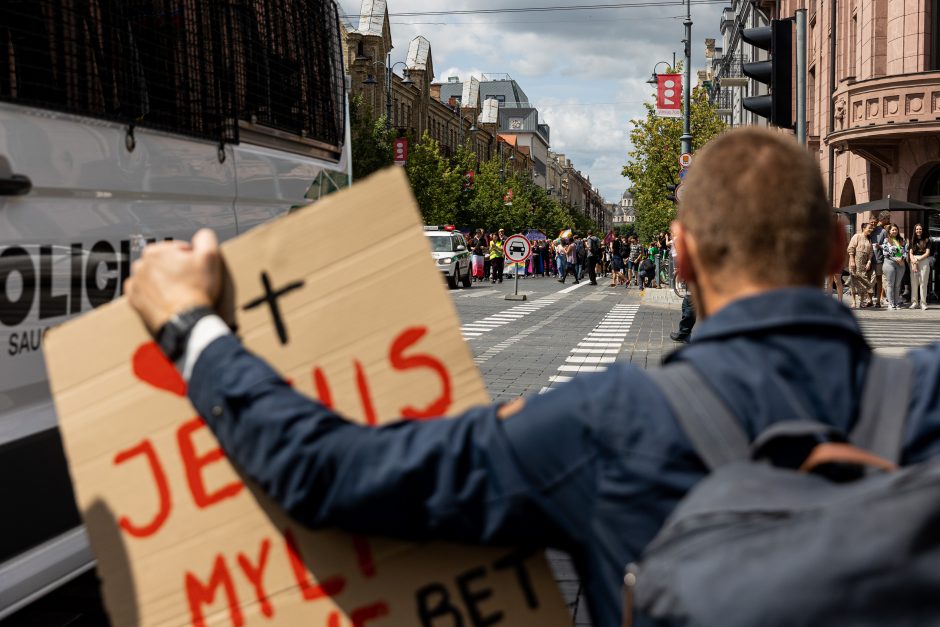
270, 297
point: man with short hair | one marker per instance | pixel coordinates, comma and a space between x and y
877, 239
597, 466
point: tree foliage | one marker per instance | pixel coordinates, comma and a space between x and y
446, 195
654, 160
371, 141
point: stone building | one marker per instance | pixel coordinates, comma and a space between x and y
411, 100
873, 92
516, 116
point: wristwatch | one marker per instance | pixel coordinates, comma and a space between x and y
173, 336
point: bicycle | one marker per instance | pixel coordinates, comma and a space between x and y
666, 277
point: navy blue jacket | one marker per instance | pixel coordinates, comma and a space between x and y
592, 468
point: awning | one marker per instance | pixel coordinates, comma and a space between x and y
885, 204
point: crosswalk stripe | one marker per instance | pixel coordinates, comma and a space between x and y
581, 368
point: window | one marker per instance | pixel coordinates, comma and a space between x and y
214, 70
191, 68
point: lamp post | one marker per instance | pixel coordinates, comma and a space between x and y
389, 75
686, 140
654, 76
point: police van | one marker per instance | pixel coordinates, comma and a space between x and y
123, 123
450, 254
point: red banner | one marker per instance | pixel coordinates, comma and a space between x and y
400, 150
669, 95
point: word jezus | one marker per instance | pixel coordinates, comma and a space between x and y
462, 601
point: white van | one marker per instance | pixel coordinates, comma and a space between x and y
122, 123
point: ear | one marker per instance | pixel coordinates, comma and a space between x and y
839, 239
685, 250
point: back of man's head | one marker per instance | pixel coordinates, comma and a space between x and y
755, 203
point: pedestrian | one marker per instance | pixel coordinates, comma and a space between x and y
597, 466
497, 256
580, 257
686, 322
646, 271
487, 238
633, 260
877, 238
861, 254
593, 246
476, 257
616, 262
561, 258
570, 261
894, 253
919, 254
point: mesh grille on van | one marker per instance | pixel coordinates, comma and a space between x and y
193, 67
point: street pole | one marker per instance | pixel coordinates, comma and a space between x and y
687, 113
388, 92
801, 76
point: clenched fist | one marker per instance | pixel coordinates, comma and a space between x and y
171, 277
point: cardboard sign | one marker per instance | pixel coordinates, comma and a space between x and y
182, 539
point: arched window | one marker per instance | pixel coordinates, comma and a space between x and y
930, 196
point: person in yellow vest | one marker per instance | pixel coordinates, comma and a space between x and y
496, 256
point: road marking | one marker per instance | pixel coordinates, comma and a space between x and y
568, 290
598, 349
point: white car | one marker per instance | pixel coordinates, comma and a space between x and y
450, 254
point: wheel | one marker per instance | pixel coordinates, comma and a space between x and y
680, 288
467, 280
452, 282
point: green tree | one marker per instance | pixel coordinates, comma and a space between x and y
435, 182
371, 141
654, 161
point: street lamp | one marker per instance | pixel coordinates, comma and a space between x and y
389, 75
654, 78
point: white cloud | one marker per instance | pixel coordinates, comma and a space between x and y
563, 61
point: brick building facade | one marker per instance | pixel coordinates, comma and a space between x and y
873, 95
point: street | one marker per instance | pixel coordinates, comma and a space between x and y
529, 347
561, 330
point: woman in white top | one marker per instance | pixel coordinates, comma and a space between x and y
895, 251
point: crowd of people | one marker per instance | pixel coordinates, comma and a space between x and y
621, 258
881, 262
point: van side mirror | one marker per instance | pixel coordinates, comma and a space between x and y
461, 247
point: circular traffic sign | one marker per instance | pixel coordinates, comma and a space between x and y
680, 190
685, 159
517, 248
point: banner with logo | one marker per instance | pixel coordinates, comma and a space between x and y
669, 95
400, 150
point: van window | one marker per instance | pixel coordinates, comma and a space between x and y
213, 70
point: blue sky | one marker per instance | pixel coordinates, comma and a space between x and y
585, 71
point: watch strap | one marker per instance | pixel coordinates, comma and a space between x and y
173, 336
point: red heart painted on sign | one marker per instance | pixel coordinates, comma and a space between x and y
152, 367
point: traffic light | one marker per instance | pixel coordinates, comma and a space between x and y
777, 39
672, 187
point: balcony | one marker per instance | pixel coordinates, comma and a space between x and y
731, 74
873, 116
725, 102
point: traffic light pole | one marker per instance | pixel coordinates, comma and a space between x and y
801, 76
686, 140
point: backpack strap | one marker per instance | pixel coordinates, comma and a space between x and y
884, 407
714, 431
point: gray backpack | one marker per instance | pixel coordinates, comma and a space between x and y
792, 530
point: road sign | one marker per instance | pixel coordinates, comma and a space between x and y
517, 248
685, 159
680, 190
682, 173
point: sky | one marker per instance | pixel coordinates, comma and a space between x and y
585, 71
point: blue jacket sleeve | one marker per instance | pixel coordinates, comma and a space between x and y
463, 479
